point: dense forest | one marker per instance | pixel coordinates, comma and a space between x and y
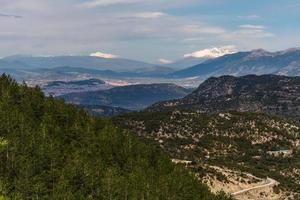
51, 150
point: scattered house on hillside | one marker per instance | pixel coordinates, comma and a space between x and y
284, 153
185, 162
256, 157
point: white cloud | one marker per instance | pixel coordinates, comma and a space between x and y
103, 55
250, 26
198, 29
65, 27
142, 15
145, 3
213, 52
10, 16
193, 39
165, 61
96, 3
27, 6
249, 31
252, 31
149, 15
250, 17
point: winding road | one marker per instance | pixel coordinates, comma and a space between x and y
268, 183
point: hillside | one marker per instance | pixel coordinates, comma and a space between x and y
186, 63
88, 82
257, 62
57, 88
49, 150
133, 97
226, 148
267, 93
104, 111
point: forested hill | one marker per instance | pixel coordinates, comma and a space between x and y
49, 150
266, 93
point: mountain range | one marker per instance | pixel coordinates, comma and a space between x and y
267, 93
257, 62
69, 71
186, 62
242, 63
235, 133
231, 131
35, 62
201, 56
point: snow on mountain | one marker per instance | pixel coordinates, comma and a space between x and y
103, 55
213, 52
165, 61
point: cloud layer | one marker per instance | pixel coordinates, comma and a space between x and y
10, 16
138, 29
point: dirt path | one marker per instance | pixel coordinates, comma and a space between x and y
268, 183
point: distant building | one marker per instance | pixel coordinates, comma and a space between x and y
284, 153
186, 162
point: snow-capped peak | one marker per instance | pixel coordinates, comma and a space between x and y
165, 61
213, 52
103, 55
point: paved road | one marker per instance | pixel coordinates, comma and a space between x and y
268, 183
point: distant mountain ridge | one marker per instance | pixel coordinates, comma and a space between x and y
32, 62
79, 82
267, 93
132, 97
57, 88
258, 62
141, 72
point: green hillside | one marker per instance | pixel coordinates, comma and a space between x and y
49, 150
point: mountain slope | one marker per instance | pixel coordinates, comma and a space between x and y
242, 63
186, 62
251, 144
69, 71
267, 93
133, 97
104, 111
49, 150
56, 88
199, 57
88, 82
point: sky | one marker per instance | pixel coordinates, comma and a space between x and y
147, 30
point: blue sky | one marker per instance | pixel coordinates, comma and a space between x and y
146, 29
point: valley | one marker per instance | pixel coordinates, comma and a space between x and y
133, 97
237, 135
41, 70
149, 100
